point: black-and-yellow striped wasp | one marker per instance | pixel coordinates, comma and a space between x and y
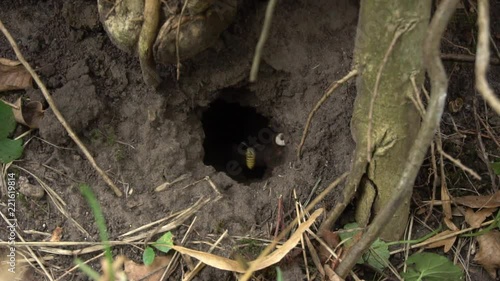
249, 153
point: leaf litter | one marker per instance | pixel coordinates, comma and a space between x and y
488, 254
13, 76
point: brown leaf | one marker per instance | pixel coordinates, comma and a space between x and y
56, 234
29, 114
450, 224
475, 219
487, 256
488, 201
445, 198
135, 271
332, 240
13, 76
447, 243
259, 263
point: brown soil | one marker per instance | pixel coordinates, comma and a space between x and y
144, 137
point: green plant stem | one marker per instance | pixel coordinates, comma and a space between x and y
415, 241
101, 225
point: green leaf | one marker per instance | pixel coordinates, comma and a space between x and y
7, 120
10, 150
431, 267
377, 256
344, 235
496, 167
101, 224
148, 256
164, 243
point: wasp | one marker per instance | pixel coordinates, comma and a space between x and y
249, 154
250, 157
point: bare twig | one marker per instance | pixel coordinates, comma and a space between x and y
31, 252
415, 98
56, 111
151, 18
327, 94
69, 271
483, 155
490, 134
118, 2
457, 46
302, 244
444, 237
262, 40
58, 202
10, 104
177, 36
419, 105
424, 138
434, 181
466, 58
483, 56
459, 164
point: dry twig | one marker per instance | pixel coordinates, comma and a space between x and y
31, 252
56, 111
151, 18
262, 40
466, 58
483, 56
483, 155
325, 96
177, 36
275, 241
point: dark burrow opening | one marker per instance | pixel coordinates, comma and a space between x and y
238, 141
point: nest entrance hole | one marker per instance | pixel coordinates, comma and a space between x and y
230, 129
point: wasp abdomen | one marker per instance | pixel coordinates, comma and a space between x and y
250, 157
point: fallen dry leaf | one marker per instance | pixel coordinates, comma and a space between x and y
28, 113
137, 271
487, 256
445, 198
264, 262
446, 243
488, 201
332, 239
13, 76
475, 219
56, 234
450, 224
